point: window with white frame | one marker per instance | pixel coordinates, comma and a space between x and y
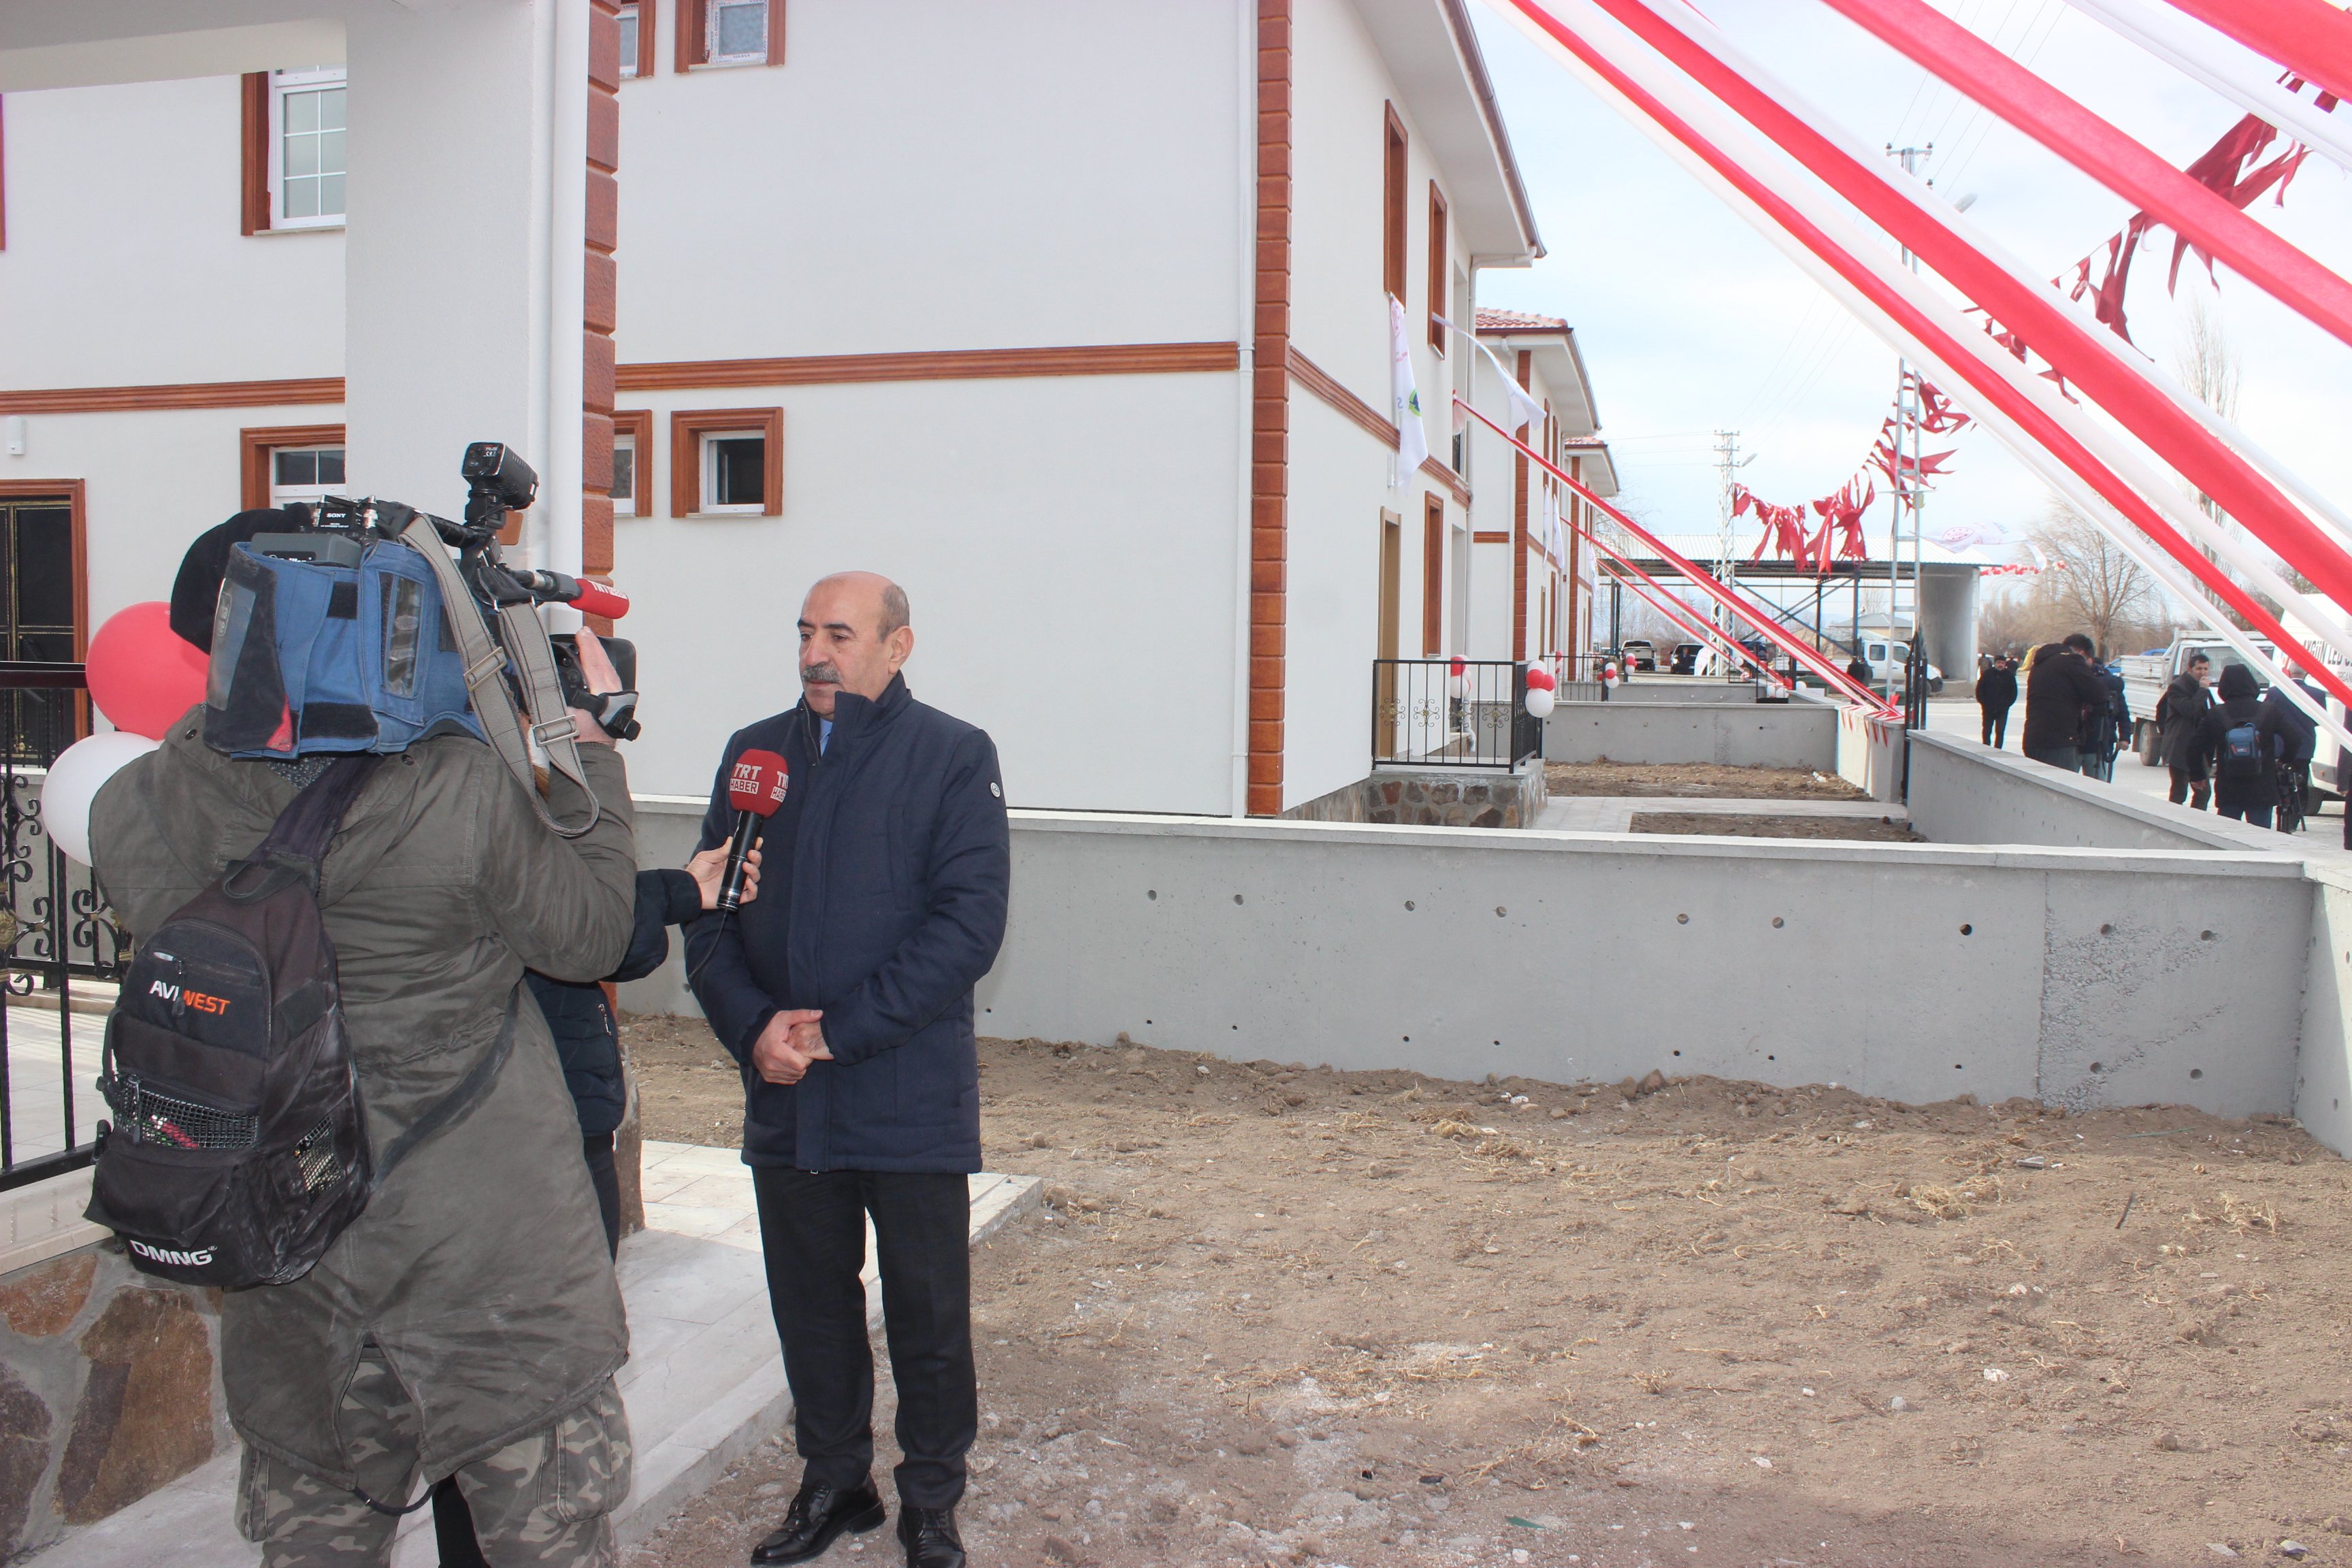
306, 148
624, 475
736, 32
630, 64
734, 470
304, 473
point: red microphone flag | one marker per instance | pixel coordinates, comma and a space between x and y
757, 781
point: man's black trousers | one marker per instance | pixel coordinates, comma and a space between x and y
812, 1230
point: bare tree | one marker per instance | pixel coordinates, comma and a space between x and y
2208, 368
2090, 582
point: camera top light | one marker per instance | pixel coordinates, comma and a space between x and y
492, 466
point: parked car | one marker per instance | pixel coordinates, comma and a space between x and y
1687, 657
1878, 653
1639, 653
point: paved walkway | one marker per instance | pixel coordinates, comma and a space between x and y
1614, 812
705, 1381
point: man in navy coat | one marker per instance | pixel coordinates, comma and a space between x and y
846, 993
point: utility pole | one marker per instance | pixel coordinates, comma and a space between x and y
1727, 464
1908, 408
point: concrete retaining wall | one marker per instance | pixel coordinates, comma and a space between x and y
1964, 792
1750, 734
2077, 976
1652, 688
1869, 752
2322, 1098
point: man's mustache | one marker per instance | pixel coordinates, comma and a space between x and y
825, 673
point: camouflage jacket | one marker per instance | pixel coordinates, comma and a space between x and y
479, 1268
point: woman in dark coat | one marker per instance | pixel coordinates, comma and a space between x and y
2244, 766
2180, 714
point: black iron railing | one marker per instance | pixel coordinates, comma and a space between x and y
55, 929
1427, 713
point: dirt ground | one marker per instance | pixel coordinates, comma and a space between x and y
1880, 829
1707, 781
1280, 1315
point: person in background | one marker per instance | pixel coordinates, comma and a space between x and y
1996, 695
1857, 670
2240, 745
2298, 742
2107, 728
2060, 695
2179, 715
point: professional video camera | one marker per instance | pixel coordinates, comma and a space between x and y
323, 637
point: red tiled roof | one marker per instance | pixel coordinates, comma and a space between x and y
1517, 321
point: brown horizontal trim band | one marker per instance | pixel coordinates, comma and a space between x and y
946, 365
1491, 536
1325, 385
1450, 479
184, 395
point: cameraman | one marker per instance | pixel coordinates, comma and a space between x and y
464, 1324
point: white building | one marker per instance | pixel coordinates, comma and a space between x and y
1073, 321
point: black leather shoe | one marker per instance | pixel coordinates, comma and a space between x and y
819, 1514
929, 1536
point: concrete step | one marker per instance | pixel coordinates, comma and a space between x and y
704, 1383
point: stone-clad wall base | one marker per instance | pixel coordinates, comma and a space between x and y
107, 1391
1431, 797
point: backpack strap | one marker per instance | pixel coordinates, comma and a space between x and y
297, 840
459, 1101
552, 724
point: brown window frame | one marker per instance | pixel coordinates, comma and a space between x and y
254, 448
1441, 271
1394, 159
648, 35
638, 425
692, 34
1433, 576
253, 153
76, 500
687, 429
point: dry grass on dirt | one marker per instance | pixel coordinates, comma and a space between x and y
1879, 829
1701, 781
1281, 1315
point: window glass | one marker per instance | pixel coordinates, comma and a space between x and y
43, 573
737, 471
739, 30
624, 475
311, 180
628, 40
304, 473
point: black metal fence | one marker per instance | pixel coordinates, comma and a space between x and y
55, 929
1426, 715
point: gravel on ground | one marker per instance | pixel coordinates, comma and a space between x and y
1709, 780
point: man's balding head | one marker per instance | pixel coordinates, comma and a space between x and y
854, 637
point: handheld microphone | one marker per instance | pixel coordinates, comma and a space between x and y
755, 787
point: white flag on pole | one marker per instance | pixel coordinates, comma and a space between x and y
1525, 409
1413, 439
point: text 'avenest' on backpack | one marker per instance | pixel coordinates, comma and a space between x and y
2241, 751
239, 1149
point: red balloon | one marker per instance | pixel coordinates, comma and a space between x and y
142, 676
1541, 679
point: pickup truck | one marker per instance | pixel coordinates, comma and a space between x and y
2146, 675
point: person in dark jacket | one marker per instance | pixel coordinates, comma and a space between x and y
2105, 727
2298, 743
1996, 695
1857, 669
846, 994
2239, 742
2060, 691
2180, 716
588, 1044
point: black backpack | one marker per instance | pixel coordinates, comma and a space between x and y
2241, 751
240, 1147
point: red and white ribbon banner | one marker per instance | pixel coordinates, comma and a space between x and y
2074, 454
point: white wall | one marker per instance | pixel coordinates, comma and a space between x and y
1339, 487
918, 175
124, 265
1069, 597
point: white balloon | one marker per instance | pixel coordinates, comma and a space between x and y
1538, 702
73, 783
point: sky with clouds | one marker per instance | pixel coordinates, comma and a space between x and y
1690, 321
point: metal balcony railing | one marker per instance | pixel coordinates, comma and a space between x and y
55, 929
1426, 713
